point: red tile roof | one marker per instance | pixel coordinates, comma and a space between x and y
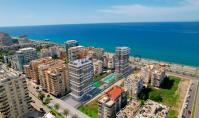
114, 92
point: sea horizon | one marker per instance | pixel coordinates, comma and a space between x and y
173, 42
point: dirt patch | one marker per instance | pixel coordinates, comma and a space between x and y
181, 92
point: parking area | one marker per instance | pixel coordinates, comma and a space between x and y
187, 109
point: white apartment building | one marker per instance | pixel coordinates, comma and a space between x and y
98, 66
134, 84
73, 52
122, 60
157, 77
24, 56
81, 77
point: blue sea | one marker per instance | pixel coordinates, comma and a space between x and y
176, 42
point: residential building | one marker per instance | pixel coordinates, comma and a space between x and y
57, 80
134, 84
98, 66
23, 39
112, 102
49, 115
130, 110
54, 51
122, 60
53, 76
32, 71
111, 62
44, 52
14, 95
152, 109
73, 53
70, 43
23, 56
105, 61
5, 39
81, 77
157, 77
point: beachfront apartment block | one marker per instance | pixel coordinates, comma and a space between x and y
23, 56
98, 66
152, 109
134, 84
53, 76
70, 43
130, 110
157, 77
112, 102
31, 70
14, 95
74, 52
122, 60
81, 77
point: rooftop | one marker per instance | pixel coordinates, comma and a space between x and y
80, 62
152, 109
114, 92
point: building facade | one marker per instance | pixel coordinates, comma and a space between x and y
14, 95
81, 77
122, 60
53, 76
74, 52
23, 56
32, 71
112, 102
98, 66
157, 77
134, 84
70, 43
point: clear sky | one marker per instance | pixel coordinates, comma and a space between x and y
42, 12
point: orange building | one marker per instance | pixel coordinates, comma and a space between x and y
111, 102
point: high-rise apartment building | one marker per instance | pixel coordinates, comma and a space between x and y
23, 56
112, 102
157, 77
134, 84
70, 43
53, 76
81, 77
74, 52
98, 66
14, 96
32, 71
122, 60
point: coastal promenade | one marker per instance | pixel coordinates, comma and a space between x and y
184, 70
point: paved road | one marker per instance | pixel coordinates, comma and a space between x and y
63, 105
187, 108
182, 76
197, 105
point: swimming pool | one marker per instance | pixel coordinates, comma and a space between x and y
110, 78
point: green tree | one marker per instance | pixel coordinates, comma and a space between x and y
41, 96
75, 116
156, 97
66, 112
57, 106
